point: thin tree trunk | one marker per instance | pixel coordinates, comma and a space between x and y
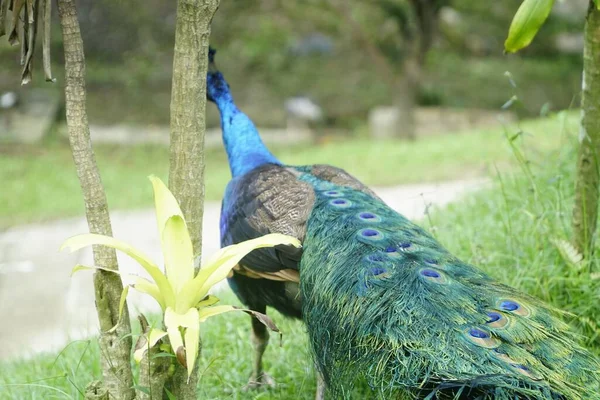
585, 213
405, 98
188, 106
115, 347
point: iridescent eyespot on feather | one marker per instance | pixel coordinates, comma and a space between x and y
370, 234
404, 246
431, 261
525, 370
378, 272
497, 320
340, 203
513, 307
481, 338
375, 258
392, 251
432, 275
368, 217
333, 193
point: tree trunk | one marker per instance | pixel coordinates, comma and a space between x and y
405, 98
585, 213
188, 107
115, 347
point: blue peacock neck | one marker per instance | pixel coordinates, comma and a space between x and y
245, 149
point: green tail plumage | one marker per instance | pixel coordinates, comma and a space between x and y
385, 303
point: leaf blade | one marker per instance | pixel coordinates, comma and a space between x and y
527, 21
80, 241
178, 252
221, 263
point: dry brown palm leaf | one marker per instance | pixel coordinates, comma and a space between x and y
23, 27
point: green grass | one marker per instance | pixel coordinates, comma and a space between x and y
224, 367
39, 181
507, 230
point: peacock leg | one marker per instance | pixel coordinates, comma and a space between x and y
260, 340
320, 395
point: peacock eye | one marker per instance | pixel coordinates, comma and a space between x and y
513, 307
340, 203
508, 305
404, 245
375, 257
430, 273
478, 333
433, 276
333, 193
493, 317
390, 249
481, 338
431, 261
370, 234
369, 217
375, 271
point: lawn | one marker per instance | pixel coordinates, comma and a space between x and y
39, 181
509, 230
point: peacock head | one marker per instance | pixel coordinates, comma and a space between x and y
216, 86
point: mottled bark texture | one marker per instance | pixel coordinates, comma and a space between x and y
115, 347
585, 213
188, 106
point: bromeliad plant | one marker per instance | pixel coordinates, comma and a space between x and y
181, 293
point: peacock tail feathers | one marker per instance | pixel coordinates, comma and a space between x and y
384, 302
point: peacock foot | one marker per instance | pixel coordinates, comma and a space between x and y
259, 381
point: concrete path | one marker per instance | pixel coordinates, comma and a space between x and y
42, 308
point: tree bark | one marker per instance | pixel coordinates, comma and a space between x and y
585, 212
115, 347
405, 97
188, 107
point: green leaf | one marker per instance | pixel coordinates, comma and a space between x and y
170, 395
221, 264
178, 253
80, 241
143, 389
526, 23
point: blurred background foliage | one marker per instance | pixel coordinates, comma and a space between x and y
271, 50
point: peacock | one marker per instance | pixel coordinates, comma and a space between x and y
383, 302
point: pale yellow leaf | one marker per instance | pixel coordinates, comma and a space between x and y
186, 354
150, 341
191, 340
208, 301
121, 307
165, 204
145, 286
219, 266
178, 253
568, 252
81, 241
